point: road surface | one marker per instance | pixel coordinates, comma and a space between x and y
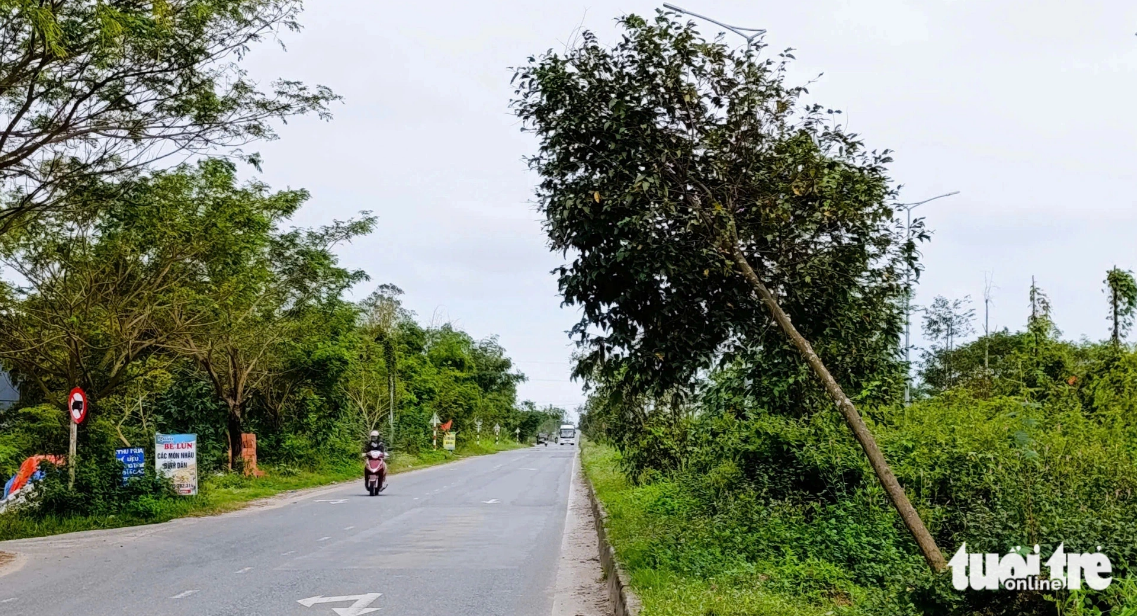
480, 536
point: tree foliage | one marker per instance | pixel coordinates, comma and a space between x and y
96, 87
1121, 290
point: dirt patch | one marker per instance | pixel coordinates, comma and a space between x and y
580, 580
10, 562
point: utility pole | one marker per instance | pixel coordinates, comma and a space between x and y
908, 207
987, 286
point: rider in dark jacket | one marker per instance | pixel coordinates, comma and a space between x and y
375, 443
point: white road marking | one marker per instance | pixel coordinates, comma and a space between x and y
9, 600
415, 498
349, 528
245, 570
288, 552
528, 469
492, 501
332, 501
323, 538
183, 595
355, 609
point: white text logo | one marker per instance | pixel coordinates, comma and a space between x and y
1014, 571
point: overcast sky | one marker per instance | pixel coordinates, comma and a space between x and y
1026, 108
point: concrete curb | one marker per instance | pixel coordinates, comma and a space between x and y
624, 600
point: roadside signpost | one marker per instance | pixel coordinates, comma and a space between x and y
496, 432
478, 427
434, 421
448, 441
175, 456
133, 461
517, 432
77, 409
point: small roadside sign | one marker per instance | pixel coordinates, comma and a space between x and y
448, 441
77, 405
133, 461
175, 456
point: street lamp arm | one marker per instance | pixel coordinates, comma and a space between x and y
912, 206
735, 29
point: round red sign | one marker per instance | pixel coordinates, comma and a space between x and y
77, 405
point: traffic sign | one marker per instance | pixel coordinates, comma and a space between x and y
434, 420
77, 405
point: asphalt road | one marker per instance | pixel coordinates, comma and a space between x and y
480, 536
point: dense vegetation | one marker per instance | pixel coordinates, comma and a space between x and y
176, 296
689, 185
180, 305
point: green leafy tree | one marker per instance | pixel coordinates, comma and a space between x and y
1121, 290
945, 322
703, 205
382, 313
92, 87
92, 286
238, 315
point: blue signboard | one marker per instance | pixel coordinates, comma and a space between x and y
133, 462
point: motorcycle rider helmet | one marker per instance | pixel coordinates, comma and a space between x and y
375, 434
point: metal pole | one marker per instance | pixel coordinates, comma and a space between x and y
908, 207
71, 454
740, 31
908, 317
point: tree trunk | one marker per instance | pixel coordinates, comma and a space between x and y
1116, 324
880, 466
390, 359
235, 445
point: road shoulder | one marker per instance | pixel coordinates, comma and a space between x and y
580, 589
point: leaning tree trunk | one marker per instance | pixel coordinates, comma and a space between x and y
880, 466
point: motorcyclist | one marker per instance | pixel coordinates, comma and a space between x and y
375, 443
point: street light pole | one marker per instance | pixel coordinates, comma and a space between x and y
908, 207
756, 32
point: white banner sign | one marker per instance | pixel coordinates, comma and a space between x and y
175, 456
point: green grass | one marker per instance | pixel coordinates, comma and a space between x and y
649, 527
228, 492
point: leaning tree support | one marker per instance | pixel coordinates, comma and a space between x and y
879, 465
723, 232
